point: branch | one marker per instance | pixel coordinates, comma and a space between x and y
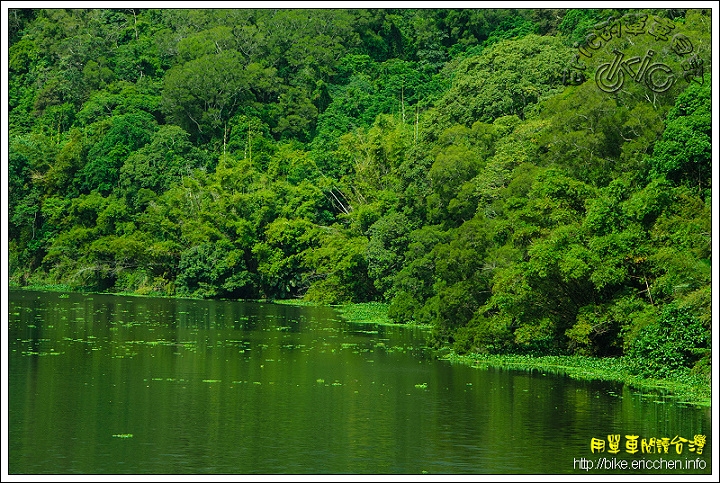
342, 206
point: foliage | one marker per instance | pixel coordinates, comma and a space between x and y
686, 389
683, 153
505, 79
430, 159
677, 340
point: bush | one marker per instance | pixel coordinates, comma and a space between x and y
675, 343
402, 308
484, 335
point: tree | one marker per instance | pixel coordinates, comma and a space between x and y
282, 255
683, 153
339, 269
386, 248
203, 94
214, 270
117, 138
505, 79
161, 163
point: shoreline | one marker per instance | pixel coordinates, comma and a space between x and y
684, 389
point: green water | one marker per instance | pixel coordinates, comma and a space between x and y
104, 384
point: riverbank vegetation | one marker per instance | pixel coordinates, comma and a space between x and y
691, 389
465, 168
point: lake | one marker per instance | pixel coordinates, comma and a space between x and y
106, 384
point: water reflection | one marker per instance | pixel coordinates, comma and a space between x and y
227, 387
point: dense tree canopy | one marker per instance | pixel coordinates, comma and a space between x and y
469, 167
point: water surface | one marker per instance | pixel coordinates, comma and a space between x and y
103, 384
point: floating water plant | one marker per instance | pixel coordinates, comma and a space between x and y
421, 386
123, 436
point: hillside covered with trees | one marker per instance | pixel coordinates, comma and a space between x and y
501, 175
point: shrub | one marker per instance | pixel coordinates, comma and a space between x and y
675, 343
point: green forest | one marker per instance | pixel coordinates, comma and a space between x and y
524, 181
